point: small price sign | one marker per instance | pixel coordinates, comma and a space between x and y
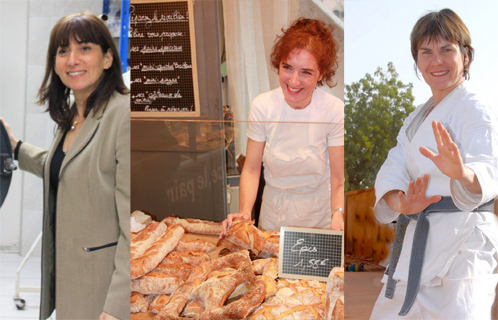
307, 253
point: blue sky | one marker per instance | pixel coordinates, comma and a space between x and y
378, 31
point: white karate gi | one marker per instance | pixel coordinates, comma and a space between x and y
459, 273
296, 157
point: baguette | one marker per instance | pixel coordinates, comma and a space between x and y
139, 302
155, 254
159, 302
178, 270
192, 258
195, 225
146, 238
195, 245
155, 283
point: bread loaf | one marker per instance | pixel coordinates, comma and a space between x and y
192, 258
244, 234
146, 238
155, 283
140, 302
195, 225
158, 303
195, 245
156, 253
177, 270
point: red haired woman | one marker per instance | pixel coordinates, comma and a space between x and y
297, 132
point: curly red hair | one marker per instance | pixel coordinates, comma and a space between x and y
313, 35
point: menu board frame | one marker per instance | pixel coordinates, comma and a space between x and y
308, 253
194, 85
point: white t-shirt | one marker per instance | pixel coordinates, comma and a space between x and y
323, 118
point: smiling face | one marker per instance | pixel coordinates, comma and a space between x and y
441, 63
80, 67
298, 76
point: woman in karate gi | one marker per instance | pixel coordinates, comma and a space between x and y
445, 162
294, 130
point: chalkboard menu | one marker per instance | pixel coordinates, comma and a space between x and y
162, 59
307, 253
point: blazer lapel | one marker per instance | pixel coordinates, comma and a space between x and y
85, 135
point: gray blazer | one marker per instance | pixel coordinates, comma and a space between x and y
81, 276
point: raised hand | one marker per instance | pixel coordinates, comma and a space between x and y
414, 201
448, 160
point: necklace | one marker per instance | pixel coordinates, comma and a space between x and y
74, 125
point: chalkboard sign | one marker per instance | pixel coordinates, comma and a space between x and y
307, 253
162, 59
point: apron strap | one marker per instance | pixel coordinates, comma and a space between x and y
418, 248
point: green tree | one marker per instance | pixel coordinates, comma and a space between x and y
375, 108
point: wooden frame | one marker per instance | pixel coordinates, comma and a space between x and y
143, 98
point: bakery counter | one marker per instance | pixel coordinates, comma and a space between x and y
198, 275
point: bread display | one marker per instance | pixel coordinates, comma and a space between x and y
182, 275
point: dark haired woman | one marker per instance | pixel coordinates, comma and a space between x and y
297, 131
85, 248
444, 260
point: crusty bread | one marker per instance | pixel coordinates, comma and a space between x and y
178, 270
146, 238
156, 253
195, 245
155, 283
159, 302
213, 292
334, 296
195, 225
268, 267
192, 258
244, 234
271, 246
140, 302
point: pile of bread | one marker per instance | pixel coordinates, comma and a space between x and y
177, 279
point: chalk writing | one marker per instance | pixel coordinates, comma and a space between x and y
146, 49
302, 248
156, 18
312, 263
164, 34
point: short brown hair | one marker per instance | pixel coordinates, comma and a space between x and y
313, 35
83, 27
447, 25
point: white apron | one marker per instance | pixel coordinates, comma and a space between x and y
296, 193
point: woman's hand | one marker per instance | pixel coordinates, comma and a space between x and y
337, 221
13, 140
449, 161
106, 316
415, 201
228, 221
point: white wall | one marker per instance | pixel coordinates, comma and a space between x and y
25, 27
13, 51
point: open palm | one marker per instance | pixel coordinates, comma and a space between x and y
448, 160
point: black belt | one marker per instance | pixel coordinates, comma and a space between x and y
418, 247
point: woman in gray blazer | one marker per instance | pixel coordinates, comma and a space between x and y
86, 173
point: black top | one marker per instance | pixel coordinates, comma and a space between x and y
56, 163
